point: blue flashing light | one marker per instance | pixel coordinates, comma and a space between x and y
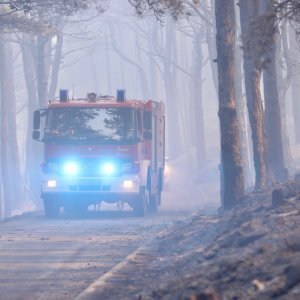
108, 168
71, 168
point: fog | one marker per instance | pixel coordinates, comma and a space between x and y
129, 52
106, 198
164, 60
104, 52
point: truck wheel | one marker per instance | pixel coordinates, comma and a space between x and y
154, 201
51, 207
140, 206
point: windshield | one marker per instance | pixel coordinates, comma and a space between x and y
90, 123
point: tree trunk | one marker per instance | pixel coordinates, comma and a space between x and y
296, 106
13, 146
42, 68
108, 68
248, 10
153, 45
11, 175
295, 84
272, 110
6, 182
141, 73
241, 108
198, 103
57, 60
172, 107
230, 143
284, 79
33, 149
211, 43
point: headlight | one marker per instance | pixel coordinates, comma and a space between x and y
51, 183
71, 168
127, 184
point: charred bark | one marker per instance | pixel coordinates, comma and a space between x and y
230, 143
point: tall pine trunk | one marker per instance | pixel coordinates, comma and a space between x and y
33, 149
57, 59
230, 142
272, 108
241, 108
198, 102
248, 10
172, 106
295, 84
210, 40
10, 161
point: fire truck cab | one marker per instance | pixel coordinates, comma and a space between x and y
101, 149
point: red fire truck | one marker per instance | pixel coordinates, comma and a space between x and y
101, 149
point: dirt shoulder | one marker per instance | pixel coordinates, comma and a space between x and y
249, 252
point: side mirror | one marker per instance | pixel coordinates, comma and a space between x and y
147, 135
147, 120
36, 120
36, 135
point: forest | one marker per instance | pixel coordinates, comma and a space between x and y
228, 72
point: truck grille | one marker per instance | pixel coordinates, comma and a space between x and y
89, 188
89, 167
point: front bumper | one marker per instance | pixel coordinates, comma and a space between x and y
123, 185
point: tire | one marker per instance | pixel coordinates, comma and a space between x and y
154, 202
141, 203
161, 183
51, 207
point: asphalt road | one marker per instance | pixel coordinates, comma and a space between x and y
58, 259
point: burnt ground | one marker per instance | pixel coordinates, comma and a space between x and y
249, 252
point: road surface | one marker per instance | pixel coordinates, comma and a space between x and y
58, 259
